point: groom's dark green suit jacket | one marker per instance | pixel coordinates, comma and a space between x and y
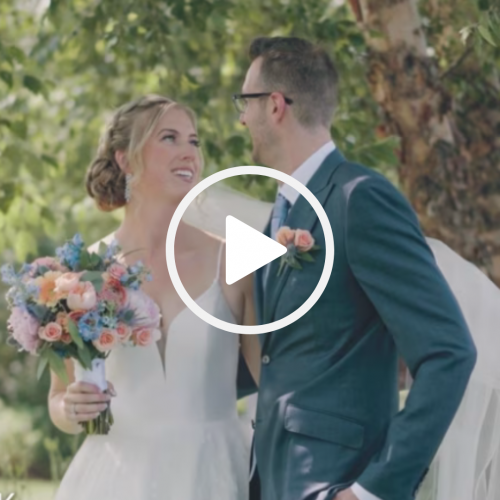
327, 414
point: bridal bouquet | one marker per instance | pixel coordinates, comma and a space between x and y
80, 305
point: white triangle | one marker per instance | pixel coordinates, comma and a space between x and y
247, 250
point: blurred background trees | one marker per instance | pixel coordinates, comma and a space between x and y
419, 101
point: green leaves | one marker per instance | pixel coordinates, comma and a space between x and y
75, 335
42, 365
486, 34
6, 76
91, 261
7, 195
85, 356
95, 277
34, 84
306, 257
57, 365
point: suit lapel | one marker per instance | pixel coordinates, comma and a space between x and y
301, 216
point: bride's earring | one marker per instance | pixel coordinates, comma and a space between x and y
128, 181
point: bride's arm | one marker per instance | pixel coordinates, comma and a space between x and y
250, 345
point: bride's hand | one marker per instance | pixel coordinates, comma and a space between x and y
83, 401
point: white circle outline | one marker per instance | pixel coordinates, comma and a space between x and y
247, 329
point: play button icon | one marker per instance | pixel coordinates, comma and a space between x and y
247, 250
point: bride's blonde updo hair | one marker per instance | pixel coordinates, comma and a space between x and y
129, 129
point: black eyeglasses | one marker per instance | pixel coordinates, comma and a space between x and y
241, 100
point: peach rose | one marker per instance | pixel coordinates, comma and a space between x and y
83, 297
303, 240
123, 331
67, 282
47, 284
106, 341
62, 320
51, 332
285, 236
145, 336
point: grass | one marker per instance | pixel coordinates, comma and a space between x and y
29, 489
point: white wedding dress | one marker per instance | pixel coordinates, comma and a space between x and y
176, 434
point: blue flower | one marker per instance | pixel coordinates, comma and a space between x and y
16, 297
33, 289
25, 269
78, 241
135, 285
109, 322
69, 253
90, 326
112, 250
125, 277
9, 275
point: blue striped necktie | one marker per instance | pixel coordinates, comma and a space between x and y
279, 215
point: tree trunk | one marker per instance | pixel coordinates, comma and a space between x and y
450, 146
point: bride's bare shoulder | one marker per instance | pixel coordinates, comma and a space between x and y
95, 246
205, 238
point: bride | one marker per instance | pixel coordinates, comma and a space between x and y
176, 433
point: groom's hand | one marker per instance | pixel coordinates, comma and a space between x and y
345, 495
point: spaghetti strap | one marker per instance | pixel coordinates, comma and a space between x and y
219, 261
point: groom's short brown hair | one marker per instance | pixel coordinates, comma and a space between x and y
303, 72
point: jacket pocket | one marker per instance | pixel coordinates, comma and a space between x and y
324, 426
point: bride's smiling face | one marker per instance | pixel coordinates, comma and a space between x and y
171, 157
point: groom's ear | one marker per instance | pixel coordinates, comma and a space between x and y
279, 106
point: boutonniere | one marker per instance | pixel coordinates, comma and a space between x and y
299, 244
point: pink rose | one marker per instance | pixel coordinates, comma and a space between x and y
49, 262
115, 273
24, 329
51, 332
145, 336
83, 297
303, 240
106, 341
146, 311
285, 236
115, 294
123, 331
67, 282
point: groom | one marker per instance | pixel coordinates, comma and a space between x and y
327, 424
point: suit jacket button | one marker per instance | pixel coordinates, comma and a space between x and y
265, 359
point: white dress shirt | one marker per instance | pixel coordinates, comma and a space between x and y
304, 174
